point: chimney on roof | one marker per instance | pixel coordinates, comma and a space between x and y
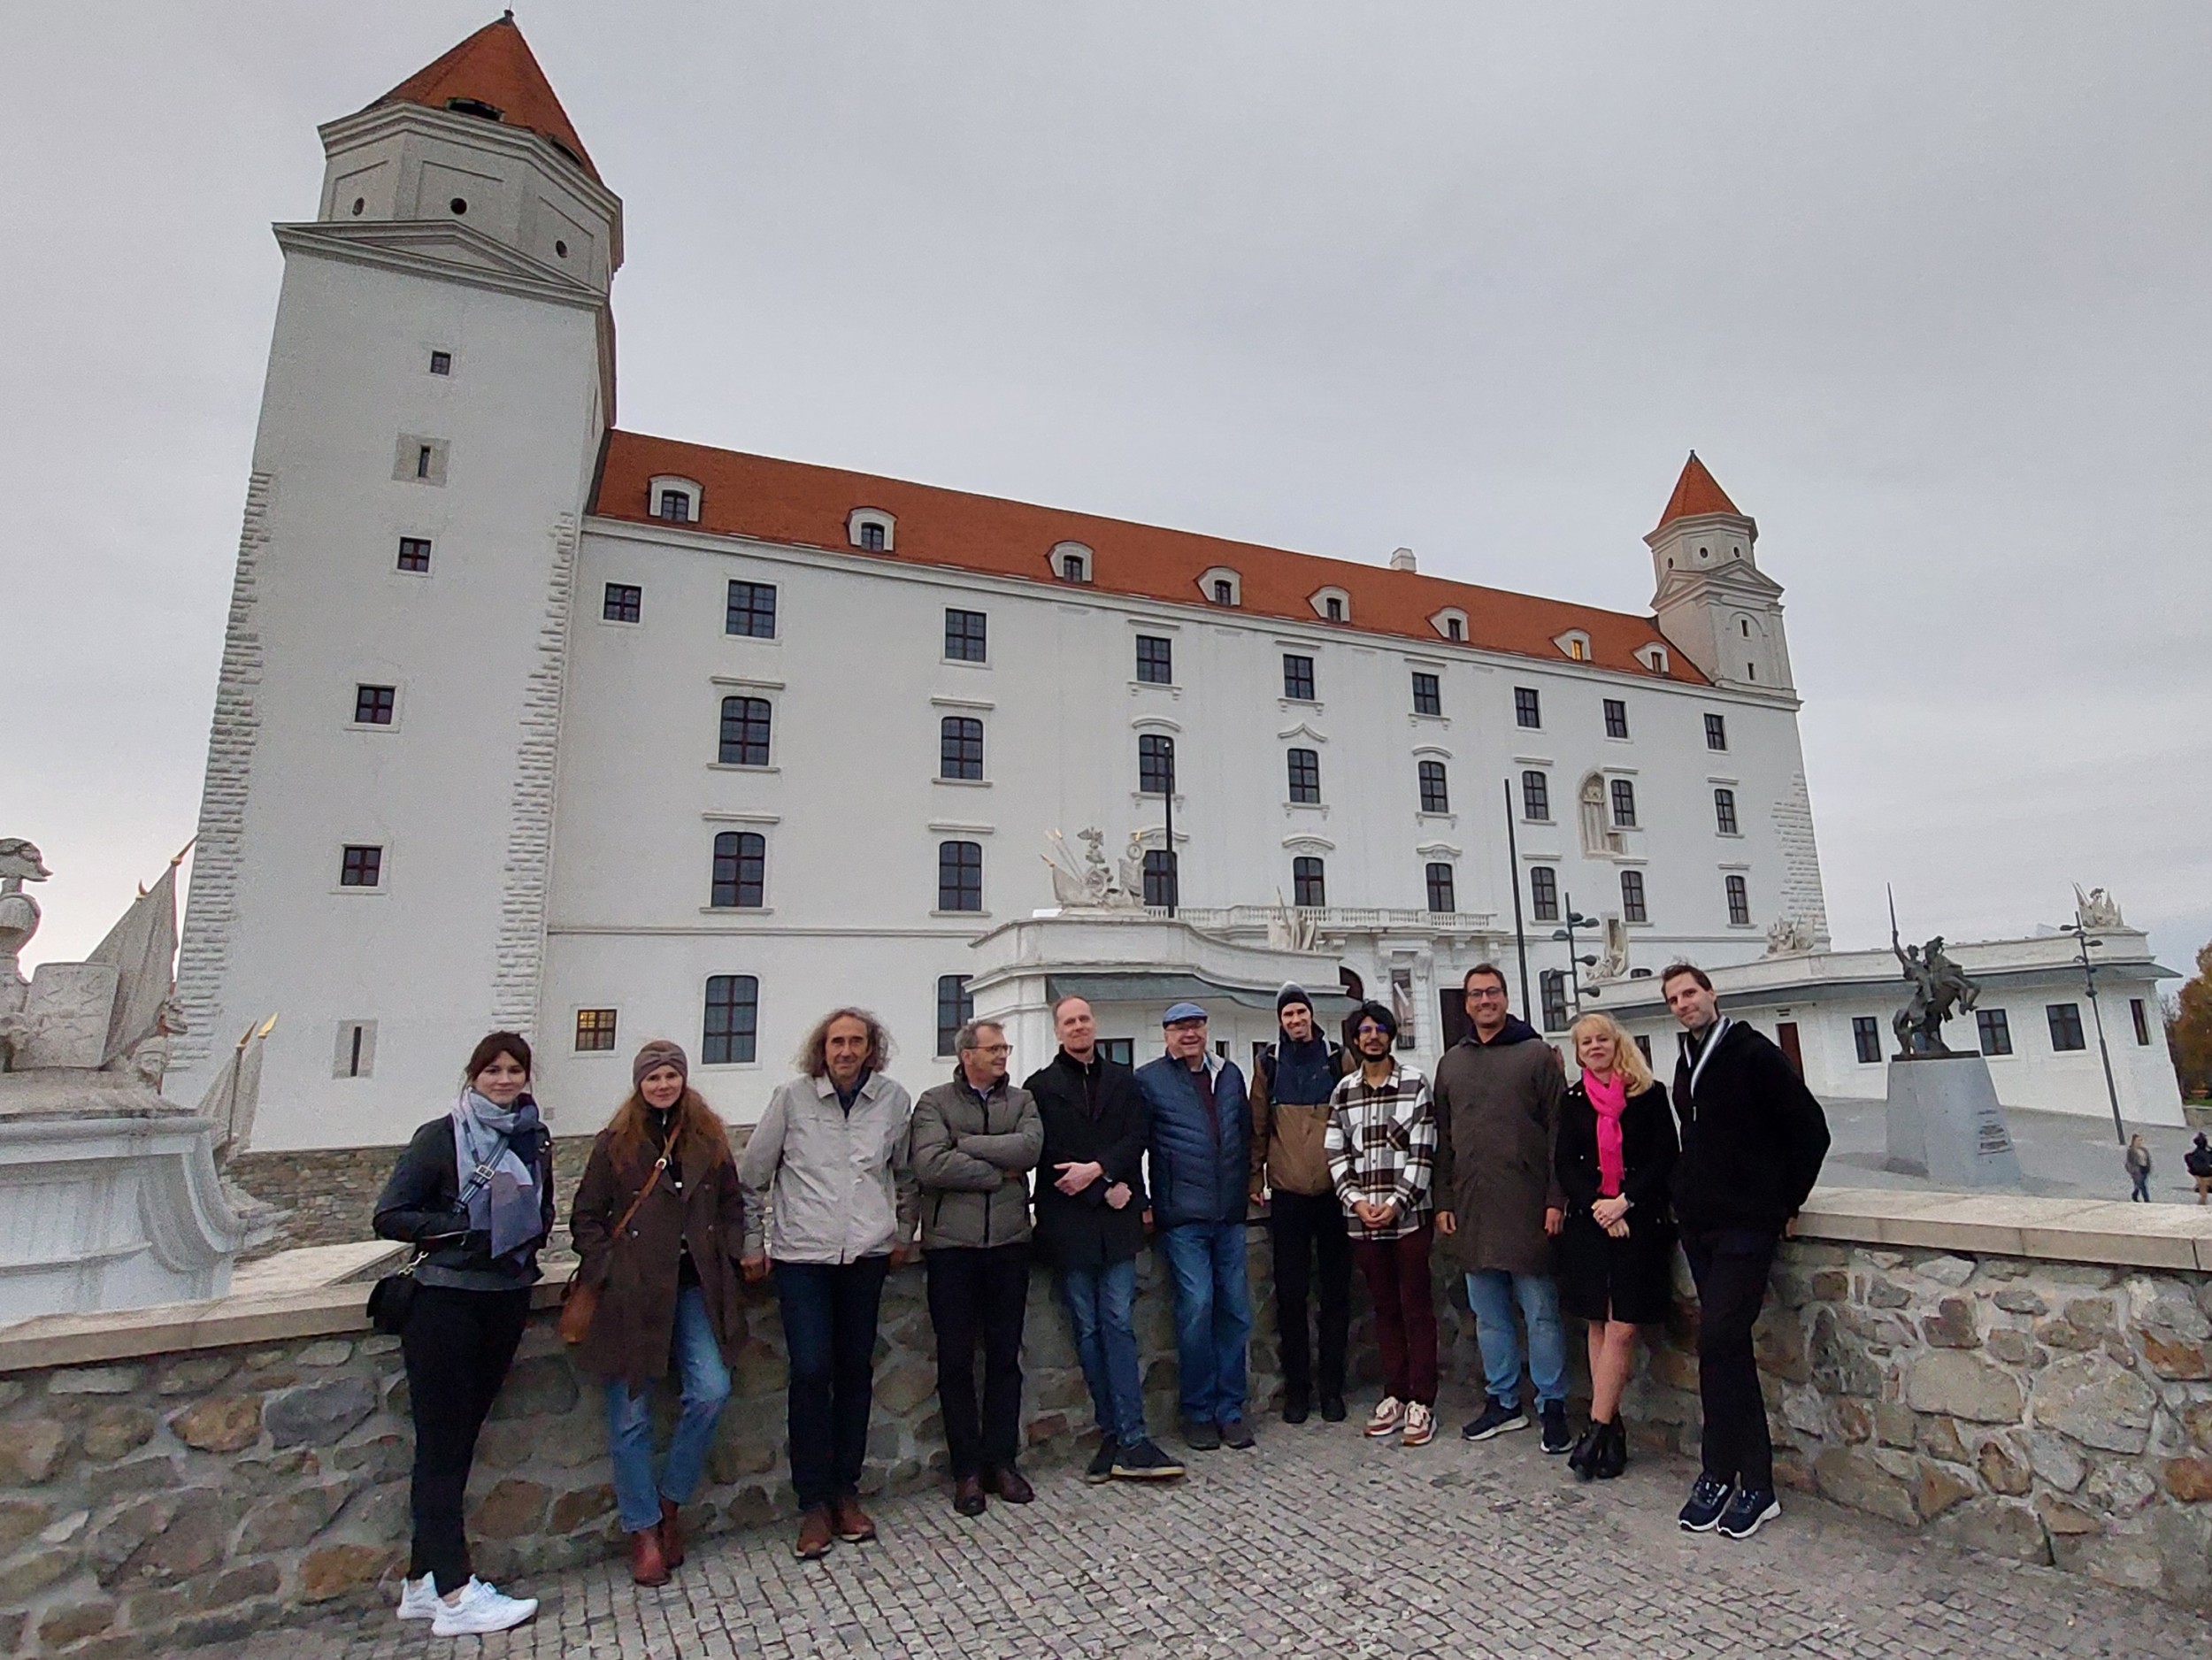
1402, 559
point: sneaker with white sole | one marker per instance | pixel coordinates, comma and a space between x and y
481, 1609
1752, 1509
1497, 1417
1390, 1413
1420, 1424
419, 1598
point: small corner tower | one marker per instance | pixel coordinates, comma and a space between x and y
1712, 600
376, 825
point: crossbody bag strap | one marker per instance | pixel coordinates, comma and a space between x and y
651, 1182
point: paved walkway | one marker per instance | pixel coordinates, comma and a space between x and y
1322, 1545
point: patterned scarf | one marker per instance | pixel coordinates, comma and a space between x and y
502, 1191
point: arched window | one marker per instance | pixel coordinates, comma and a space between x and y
744, 732
1543, 893
1435, 796
1305, 776
1156, 763
1307, 881
1442, 896
959, 876
1536, 797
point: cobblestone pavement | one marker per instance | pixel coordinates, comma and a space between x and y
1321, 1544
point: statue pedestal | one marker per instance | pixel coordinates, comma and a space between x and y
1944, 1123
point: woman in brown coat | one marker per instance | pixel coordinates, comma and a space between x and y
669, 1287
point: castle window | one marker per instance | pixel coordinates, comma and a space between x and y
414, 555
1632, 906
474, 106
1866, 1039
1297, 677
1616, 717
751, 611
1454, 629
1435, 797
1155, 660
955, 1009
422, 461
2065, 1022
560, 249
1744, 623
360, 867
732, 1026
964, 635
1071, 562
1441, 896
1623, 804
1656, 660
1156, 763
2141, 1017
625, 602
595, 1030
744, 732
459, 204
1335, 609
1717, 732
1428, 695
1536, 797
741, 871
1528, 707
1451, 623
1331, 605
1305, 776
1724, 811
1543, 893
441, 363
960, 748
1162, 885
1225, 593
1308, 882
872, 538
1221, 585
675, 507
1575, 643
1552, 988
1739, 903
357, 1050
959, 876
871, 530
1993, 1030
372, 705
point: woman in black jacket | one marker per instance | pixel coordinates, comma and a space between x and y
473, 1194
1616, 1152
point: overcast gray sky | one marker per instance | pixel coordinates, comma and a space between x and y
1926, 287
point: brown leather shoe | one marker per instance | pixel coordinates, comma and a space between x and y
817, 1534
648, 1565
853, 1525
1009, 1484
672, 1535
967, 1495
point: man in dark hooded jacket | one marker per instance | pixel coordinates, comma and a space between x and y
1498, 1093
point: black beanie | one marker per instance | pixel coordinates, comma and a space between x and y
1380, 1014
1292, 992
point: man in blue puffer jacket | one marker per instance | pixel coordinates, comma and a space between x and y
1200, 1146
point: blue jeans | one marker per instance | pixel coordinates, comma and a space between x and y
697, 1361
1491, 1294
1213, 1316
1098, 1302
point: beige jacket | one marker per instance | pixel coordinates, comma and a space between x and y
826, 1186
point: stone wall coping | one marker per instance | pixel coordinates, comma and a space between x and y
2109, 1232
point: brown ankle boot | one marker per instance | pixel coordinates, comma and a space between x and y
648, 1565
672, 1535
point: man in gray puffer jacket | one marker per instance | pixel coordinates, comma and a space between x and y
974, 1141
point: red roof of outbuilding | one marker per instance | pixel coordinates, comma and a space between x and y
494, 67
792, 501
1696, 492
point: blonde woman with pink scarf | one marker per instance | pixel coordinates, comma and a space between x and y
1616, 1149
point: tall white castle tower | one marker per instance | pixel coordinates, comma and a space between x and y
382, 757
1712, 600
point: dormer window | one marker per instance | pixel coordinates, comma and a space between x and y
1656, 660
1575, 643
1451, 623
1331, 605
1071, 562
474, 106
1222, 586
676, 500
871, 530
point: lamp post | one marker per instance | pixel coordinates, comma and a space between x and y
1575, 963
2085, 945
1167, 832
1513, 880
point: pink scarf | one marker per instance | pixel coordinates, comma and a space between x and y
1610, 1097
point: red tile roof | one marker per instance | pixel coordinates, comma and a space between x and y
494, 66
1696, 492
793, 503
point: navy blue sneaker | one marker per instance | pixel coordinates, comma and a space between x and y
1497, 1417
1751, 1510
1557, 1437
1101, 1463
1709, 1499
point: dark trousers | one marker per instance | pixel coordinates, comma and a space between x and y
1397, 1275
1730, 1266
829, 1333
1307, 1230
458, 1345
980, 1293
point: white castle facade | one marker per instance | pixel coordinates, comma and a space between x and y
526, 720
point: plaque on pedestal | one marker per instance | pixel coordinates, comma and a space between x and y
1945, 1122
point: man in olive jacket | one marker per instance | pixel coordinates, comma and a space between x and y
1498, 1092
973, 1143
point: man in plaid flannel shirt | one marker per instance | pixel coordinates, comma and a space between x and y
1381, 1142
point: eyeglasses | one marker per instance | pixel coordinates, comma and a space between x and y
995, 1048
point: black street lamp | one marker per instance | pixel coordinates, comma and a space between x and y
2085, 945
1575, 963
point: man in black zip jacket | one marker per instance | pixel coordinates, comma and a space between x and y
1753, 1138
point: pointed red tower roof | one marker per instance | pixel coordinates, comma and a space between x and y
494, 75
1696, 492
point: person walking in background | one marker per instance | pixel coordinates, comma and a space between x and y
1498, 1203
1090, 1227
831, 1206
1201, 1130
1381, 1142
974, 1140
1752, 1140
1616, 1153
2198, 1162
658, 1222
2138, 1168
473, 1194
1291, 1083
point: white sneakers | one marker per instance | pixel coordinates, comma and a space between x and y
1385, 1419
479, 1608
1420, 1424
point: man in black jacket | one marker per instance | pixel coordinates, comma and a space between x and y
1753, 1138
1090, 1227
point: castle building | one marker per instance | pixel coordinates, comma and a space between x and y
525, 719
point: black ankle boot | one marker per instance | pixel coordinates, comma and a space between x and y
1580, 1460
1612, 1455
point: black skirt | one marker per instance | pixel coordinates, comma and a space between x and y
1602, 1278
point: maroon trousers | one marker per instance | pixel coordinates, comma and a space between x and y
1397, 1275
